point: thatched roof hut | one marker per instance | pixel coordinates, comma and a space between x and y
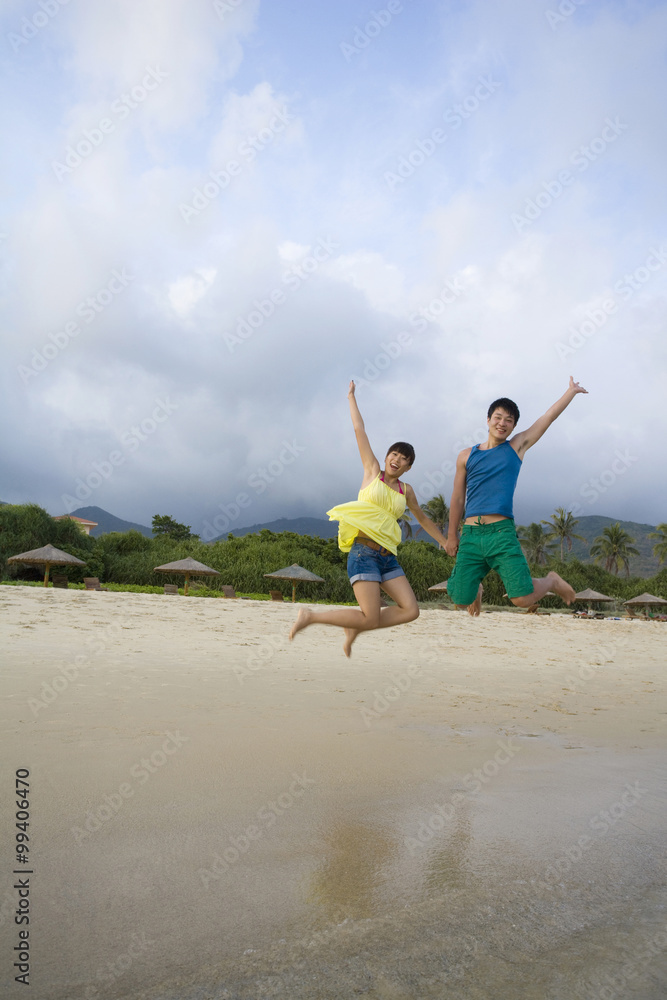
189, 567
591, 596
47, 556
295, 573
646, 601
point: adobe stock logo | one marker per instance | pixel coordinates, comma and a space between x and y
427, 145
88, 310
247, 150
33, 25
377, 22
92, 138
554, 188
131, 439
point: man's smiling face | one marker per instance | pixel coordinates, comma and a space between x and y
501, 423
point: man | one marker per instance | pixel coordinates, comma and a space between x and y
484, 485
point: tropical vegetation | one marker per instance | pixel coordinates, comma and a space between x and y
535, 543
660, 548
163, 524
562, 525
127, 559
436, 508
614, 548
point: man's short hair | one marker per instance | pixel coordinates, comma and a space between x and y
505, 404
404, 449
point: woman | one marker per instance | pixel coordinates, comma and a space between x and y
370, 532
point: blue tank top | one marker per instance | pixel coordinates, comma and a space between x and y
491, 477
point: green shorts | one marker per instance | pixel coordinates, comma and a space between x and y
485, 547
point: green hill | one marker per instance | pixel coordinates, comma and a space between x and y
591, 525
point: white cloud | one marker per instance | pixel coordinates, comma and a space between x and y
439, 259
185, 293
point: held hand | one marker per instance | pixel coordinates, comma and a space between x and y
575, 386
452, 547
350, 391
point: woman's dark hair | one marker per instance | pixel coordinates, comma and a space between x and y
404, 449
505, 404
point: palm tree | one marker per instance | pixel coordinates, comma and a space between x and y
614, 546
660, 547
438, 511
535, 542
562, 526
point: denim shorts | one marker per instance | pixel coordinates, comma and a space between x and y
364, 563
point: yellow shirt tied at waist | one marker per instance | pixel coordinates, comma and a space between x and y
375, 513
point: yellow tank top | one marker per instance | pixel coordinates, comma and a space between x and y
374, 513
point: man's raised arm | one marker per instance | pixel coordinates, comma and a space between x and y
524, 440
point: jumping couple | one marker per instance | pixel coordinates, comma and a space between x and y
484, 484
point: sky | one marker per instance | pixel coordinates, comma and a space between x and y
215, 213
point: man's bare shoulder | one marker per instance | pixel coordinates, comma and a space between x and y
463, 456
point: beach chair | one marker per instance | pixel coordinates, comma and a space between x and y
228, 590
93, 583
276, 595
171, 588
60, 581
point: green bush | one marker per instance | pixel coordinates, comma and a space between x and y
129, 559
24, 527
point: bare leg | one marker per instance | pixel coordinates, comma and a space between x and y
406, 610
369, 615
366, 617
550, 582
475, 608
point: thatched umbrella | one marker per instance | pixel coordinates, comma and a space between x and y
590, 596
189, 567
295, 573
646, 600
49, 556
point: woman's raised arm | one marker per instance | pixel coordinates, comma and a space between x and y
369, 461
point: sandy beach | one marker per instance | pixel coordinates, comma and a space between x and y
467, 808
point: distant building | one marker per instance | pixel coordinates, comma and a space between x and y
86, 526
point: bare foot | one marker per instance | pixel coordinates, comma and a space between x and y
475, 608
562, 588
350, 635
303, 620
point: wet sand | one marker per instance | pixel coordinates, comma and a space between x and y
468, 808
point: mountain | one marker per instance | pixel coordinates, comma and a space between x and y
315, 526
591, 525
107, 522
